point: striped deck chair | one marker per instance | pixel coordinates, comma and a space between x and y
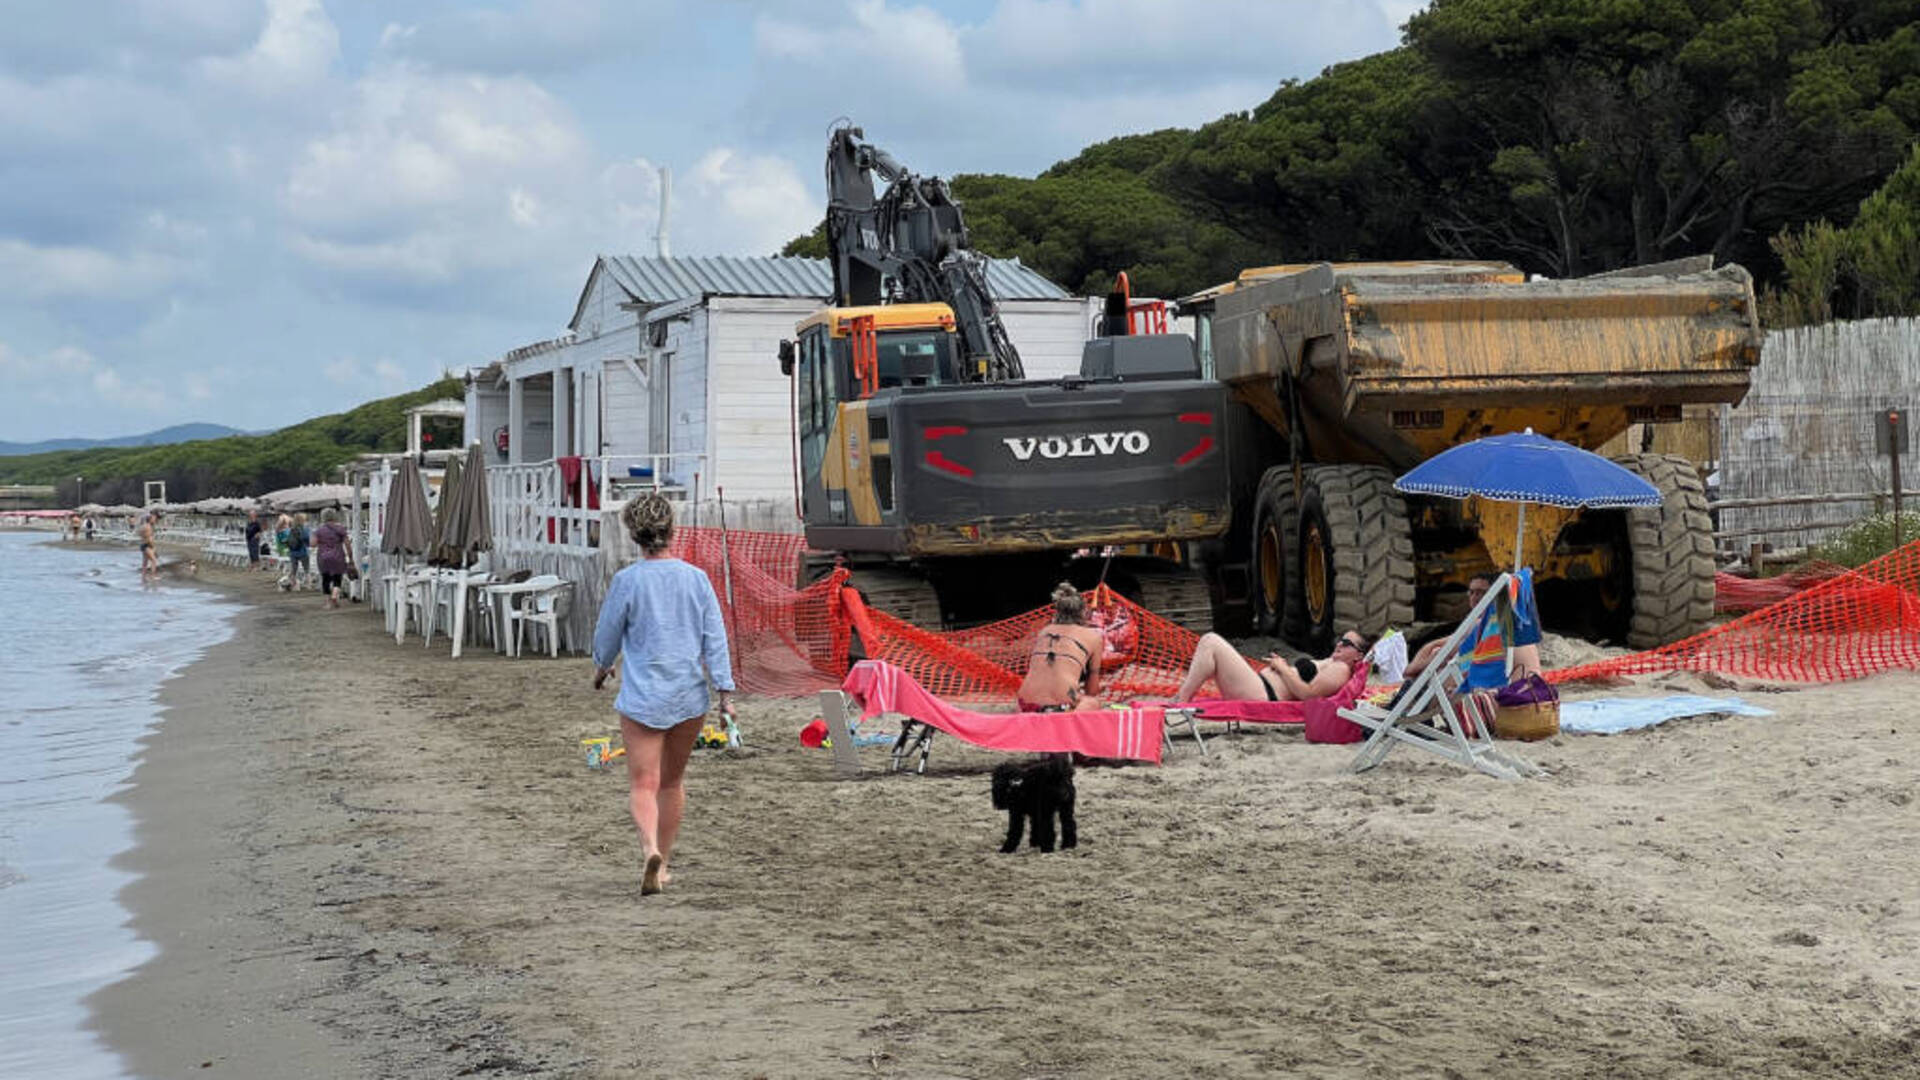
1429, 713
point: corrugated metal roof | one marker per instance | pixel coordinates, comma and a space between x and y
654, 279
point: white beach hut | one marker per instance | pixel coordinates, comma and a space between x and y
669, 363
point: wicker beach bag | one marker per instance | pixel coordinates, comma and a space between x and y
1527, 709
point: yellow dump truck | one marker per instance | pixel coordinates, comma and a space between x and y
1348, 375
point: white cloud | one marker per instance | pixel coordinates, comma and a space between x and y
550, 36
428, 176
295, 50
912, 50
139, 395
53, 271
749, 202
1033, 81
1129, 44
68, 376
374, 378
61, 362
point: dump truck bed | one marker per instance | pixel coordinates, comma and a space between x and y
1394, 350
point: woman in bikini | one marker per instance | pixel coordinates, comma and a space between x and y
1277, 679
1063, 667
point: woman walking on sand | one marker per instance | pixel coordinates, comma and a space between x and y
335, 549
299, 562
661, 615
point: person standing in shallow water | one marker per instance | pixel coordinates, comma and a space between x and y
662, 620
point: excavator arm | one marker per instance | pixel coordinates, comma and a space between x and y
909, 244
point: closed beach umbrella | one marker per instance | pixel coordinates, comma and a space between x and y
476, 506
1528, 468
408, 529
470, 525
446, 518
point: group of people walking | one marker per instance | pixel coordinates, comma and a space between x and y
293, 541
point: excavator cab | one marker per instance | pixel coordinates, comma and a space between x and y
839, 360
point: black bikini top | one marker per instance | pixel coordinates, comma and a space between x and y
1052, 653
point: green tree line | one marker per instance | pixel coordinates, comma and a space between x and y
239, 465
1566, 136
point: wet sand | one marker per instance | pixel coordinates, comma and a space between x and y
370, 859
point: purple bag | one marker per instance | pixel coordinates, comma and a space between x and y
1531, 690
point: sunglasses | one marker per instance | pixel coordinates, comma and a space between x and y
1352, 644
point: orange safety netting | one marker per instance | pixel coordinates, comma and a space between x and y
1853, 624
1838, 625
1733, 594
789, 641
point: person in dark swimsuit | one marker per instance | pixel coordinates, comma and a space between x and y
149, 557
1277, 679
1063, 667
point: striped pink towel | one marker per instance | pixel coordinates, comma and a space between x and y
1132, 734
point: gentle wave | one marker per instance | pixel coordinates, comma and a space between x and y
88, 650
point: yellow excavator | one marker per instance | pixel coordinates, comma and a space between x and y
956, 490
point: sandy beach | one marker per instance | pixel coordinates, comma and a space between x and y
363, 859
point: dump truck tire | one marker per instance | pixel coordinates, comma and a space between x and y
1276, 526
1670, 548
1356, 554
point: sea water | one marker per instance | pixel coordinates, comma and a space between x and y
84, 647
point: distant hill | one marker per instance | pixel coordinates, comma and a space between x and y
242, 464
178, 433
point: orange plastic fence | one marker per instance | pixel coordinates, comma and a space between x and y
1829, 625
1853, 624
789, 641
1732, 593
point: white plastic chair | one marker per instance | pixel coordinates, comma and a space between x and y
415, 602
544, 607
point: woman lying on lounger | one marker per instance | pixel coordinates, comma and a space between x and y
1277, 679
1063, 668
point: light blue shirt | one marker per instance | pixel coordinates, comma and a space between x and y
662, 617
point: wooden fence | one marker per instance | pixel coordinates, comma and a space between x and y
1799, 460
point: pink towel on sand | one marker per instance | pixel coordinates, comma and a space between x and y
1133, 734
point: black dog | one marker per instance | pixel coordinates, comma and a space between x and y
1036, 790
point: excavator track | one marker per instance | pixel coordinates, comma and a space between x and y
903, 594
1179, 595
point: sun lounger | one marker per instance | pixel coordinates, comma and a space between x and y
879, 687
1429, 714
1320, 715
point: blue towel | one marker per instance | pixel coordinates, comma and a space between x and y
1610, 716
1526, 612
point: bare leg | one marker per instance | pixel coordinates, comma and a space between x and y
644, 746
673, 792
1215, 658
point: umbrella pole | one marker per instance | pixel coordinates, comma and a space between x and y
1519, 531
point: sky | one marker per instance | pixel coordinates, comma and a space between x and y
250, 212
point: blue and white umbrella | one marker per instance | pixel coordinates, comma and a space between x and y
1528, 468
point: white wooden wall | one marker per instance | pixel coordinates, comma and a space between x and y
1049, 333
749, 442
486, 413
